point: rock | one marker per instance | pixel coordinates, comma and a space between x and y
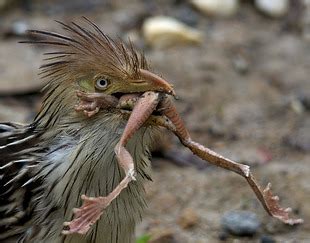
20, 28
188, 218
241, 64
241, 223
267, 239
297, 106
17, 28
223, 8
162, 31
274, 8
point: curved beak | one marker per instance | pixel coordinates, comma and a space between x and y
156, 83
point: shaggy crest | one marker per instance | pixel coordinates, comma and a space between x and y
87, 50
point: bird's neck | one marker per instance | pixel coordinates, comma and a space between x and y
81, 160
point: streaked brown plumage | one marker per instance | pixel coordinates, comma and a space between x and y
63, 154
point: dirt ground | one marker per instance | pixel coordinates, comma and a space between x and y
244, 92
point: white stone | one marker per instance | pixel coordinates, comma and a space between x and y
162, 31
222, 8
273, 8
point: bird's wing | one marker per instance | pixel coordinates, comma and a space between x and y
17, 187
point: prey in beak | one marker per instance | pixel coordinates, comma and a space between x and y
91, 102
143, 106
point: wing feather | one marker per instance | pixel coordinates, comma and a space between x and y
17, 146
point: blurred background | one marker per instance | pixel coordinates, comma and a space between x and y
241, 70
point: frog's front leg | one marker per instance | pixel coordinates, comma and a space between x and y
91, 103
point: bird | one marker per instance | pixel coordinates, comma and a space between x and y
89, 145
65, 152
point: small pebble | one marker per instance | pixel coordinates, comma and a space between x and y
20, 28
274, 8
267, 239
297, 106
17, 28
240, 64
223, 8
240, 223
162, 31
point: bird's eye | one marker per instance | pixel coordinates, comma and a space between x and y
101, 83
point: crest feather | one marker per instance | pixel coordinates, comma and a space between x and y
87, 49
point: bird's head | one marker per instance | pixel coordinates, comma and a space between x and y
88, 60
